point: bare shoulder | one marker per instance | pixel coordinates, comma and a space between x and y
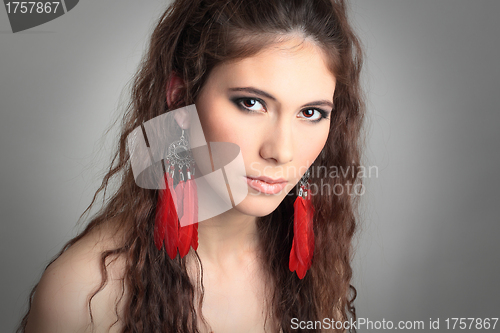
61, 300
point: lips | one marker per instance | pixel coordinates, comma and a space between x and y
266, 185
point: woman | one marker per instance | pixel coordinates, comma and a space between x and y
280, 79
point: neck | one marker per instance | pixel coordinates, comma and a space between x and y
227, 237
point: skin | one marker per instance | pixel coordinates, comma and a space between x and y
278, 140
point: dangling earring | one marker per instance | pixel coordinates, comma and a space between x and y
303, 233
167, 227
166, 215
188, 229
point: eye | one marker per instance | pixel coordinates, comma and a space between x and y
249, 104
314, 115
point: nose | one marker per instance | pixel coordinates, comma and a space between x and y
278, 143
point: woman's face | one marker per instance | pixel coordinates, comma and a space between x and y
276, 107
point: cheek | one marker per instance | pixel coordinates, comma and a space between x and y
310, 142
236, 132
224, 129
221, 123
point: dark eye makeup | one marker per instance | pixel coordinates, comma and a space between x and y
245, 103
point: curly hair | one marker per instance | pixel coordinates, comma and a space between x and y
190, 39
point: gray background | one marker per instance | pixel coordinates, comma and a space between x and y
428, 244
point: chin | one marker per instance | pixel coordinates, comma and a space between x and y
259, 205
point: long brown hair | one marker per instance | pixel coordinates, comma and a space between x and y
190, 39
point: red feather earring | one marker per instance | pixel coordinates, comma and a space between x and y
303, 234
179, 203
188, 229
166, 214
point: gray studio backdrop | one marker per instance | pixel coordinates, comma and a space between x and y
428, 245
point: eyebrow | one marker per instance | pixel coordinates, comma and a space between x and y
267, 95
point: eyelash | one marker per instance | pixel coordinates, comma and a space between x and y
238, 100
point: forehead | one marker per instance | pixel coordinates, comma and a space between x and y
295, 68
